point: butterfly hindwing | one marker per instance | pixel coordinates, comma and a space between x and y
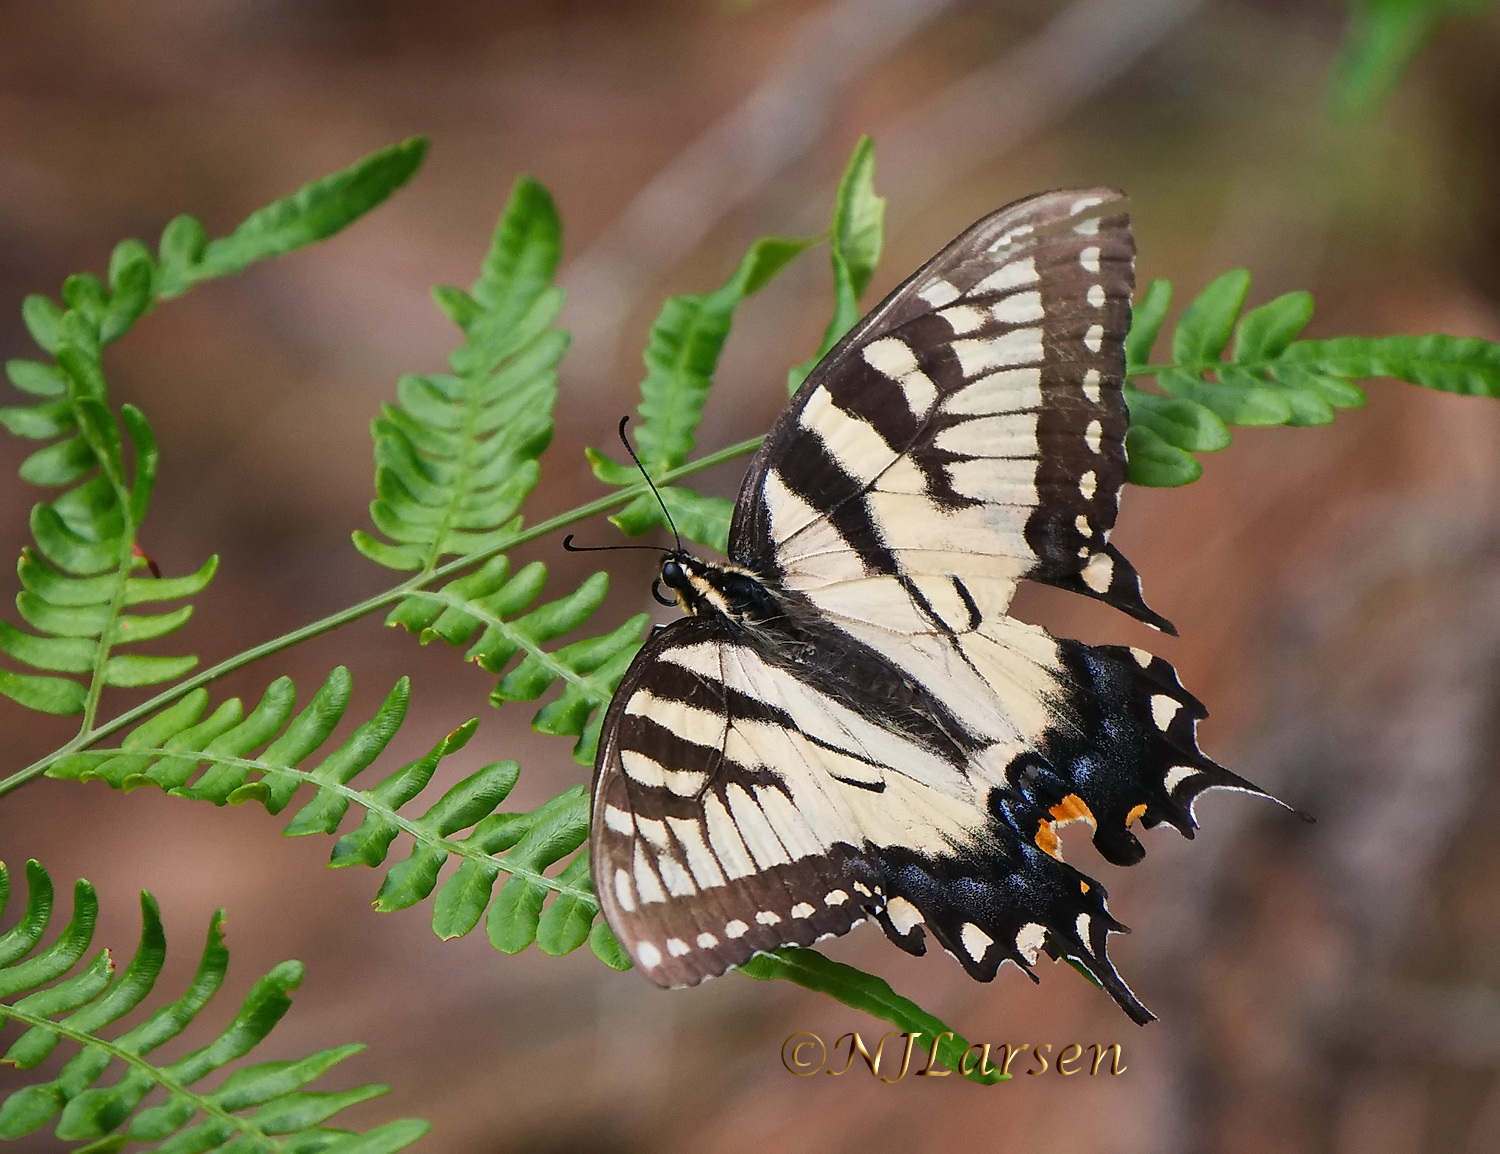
702, 855
741, 806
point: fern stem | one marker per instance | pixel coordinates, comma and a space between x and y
456, 498
1199, 369
364, 608
157, 1074
116, 609
544, 657
419, 833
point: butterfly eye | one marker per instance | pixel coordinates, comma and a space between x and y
673, 575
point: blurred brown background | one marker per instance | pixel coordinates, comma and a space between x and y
1322, 988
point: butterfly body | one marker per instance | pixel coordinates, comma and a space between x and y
847, 724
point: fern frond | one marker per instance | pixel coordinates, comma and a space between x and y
682, 354
688, 336
457, 455
228, 756
1268, 377
85, 570
489, 603
855, 240
263, 1107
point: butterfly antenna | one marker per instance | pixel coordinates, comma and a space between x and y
569, 547
655, 492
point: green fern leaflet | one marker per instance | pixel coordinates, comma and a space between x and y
268, 755
58, 999
1269, 377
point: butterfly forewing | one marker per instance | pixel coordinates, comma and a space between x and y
972, 424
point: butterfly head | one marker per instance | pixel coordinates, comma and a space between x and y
706, 590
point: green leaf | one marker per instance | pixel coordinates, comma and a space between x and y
1464, 365
858, 231
63, 463
255, 1085
43, 321
588, 667
43, 694
53, 961
1339, 393
91, 1096
147, 459
521, 263
66, 549
557, 829
607, 947
142, 590
97, 426
54, 654
1308, 407
463, 899
1153, 462
1243, 398
36, 378
364, 745
167, 749
313, 212
369, 844
514, 914
182, 245
1265, 332
399, 557
457, 457
1145, 323
698, 518
474, 797
542, 624
683, 350
85, 296
1205, 326
1238, 397
855, 239
38, 422
131, 276
129, 671
564, 926
409, 881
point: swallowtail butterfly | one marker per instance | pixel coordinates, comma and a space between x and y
847, 725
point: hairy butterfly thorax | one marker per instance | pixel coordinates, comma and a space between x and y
704, 590
847, 724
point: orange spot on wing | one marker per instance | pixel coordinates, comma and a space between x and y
1134, 815
1072, 808
1046, 839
